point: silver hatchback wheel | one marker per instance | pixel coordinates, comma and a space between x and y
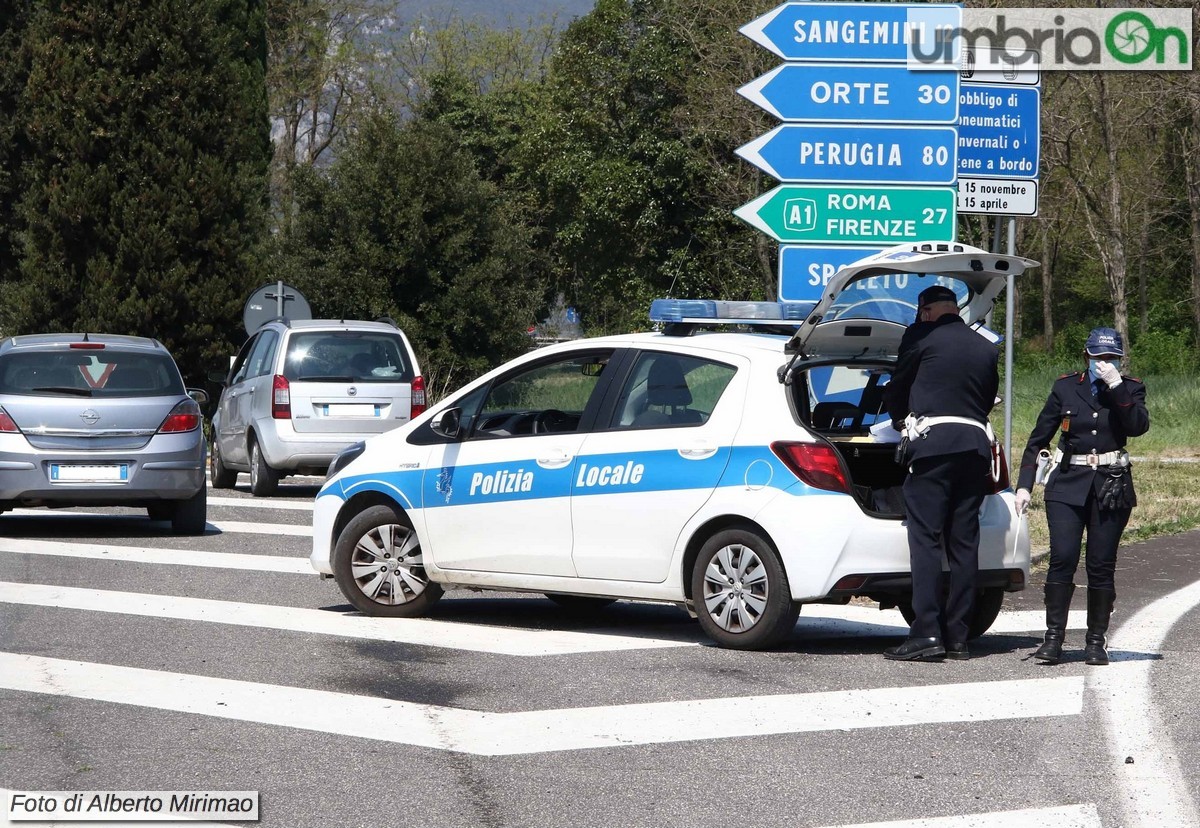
378, 565
740, 590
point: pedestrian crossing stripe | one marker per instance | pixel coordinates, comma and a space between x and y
156, 555
223, 526
419, 631
487, 733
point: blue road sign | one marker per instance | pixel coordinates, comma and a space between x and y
856, 94
876, 154
999, 131
805, 270
877, 32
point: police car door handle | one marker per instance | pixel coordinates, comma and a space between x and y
555, 458
697, 451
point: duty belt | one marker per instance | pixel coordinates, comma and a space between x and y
1107, 458
915, 427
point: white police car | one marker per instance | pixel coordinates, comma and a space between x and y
734, 474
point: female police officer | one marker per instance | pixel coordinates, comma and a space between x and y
1090, 487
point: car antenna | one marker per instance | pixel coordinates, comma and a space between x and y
85, 339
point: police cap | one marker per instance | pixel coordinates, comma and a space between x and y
937, 293
1103, 341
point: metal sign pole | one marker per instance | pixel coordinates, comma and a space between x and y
1009, 310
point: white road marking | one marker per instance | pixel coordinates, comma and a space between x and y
1063, 816
452, 635
498, 734
262, 503
155, 555
225, 526
854, 620
1154, 791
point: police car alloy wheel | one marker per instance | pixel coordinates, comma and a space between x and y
378, 565
740, 591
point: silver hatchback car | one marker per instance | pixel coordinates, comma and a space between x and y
97, 420
301, 391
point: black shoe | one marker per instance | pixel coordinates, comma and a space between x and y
957, 652
917, 649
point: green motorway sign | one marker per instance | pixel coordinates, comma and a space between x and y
867, 215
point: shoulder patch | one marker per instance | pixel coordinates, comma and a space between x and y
1072, 374
1135, 379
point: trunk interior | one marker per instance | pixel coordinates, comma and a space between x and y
841, 403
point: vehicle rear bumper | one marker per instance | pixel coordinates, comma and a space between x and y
288, 450
169, 467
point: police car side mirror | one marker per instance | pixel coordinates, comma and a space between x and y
448, 424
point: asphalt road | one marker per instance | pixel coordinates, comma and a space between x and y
131, 660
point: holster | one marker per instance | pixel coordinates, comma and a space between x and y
901, 455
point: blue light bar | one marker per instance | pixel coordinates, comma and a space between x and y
716, 311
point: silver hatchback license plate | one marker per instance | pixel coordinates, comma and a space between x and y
114, 473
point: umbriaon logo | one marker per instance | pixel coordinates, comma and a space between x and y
998, 40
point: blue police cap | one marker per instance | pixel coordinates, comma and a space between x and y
1102, 341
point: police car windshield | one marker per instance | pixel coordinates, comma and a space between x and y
890, 296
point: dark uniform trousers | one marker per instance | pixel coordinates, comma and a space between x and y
943, 495
1104, 527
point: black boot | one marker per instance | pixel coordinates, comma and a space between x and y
1058, 603
1099, 610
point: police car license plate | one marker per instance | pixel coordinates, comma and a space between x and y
115, 473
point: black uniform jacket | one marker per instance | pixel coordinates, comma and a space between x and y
949, 370
1100, 423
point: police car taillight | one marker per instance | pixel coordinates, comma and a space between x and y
817, 465
183, 417
281, 398
418, 396
7, 424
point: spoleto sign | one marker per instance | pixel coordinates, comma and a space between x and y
853, 215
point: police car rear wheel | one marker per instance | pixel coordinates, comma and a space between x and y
378, 565
987, 609
740, 591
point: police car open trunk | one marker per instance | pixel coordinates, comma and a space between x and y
843, 353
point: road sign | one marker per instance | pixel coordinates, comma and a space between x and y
804, 270
997, 197
856, 93
877, 32
999, 131
869, 154
832, 214
981, 64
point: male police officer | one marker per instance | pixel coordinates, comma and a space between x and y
944, 386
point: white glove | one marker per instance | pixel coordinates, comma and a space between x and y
1023, 498
1108, 373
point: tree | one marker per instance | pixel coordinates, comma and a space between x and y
14, 73
320, 77
402, 225
145, 177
